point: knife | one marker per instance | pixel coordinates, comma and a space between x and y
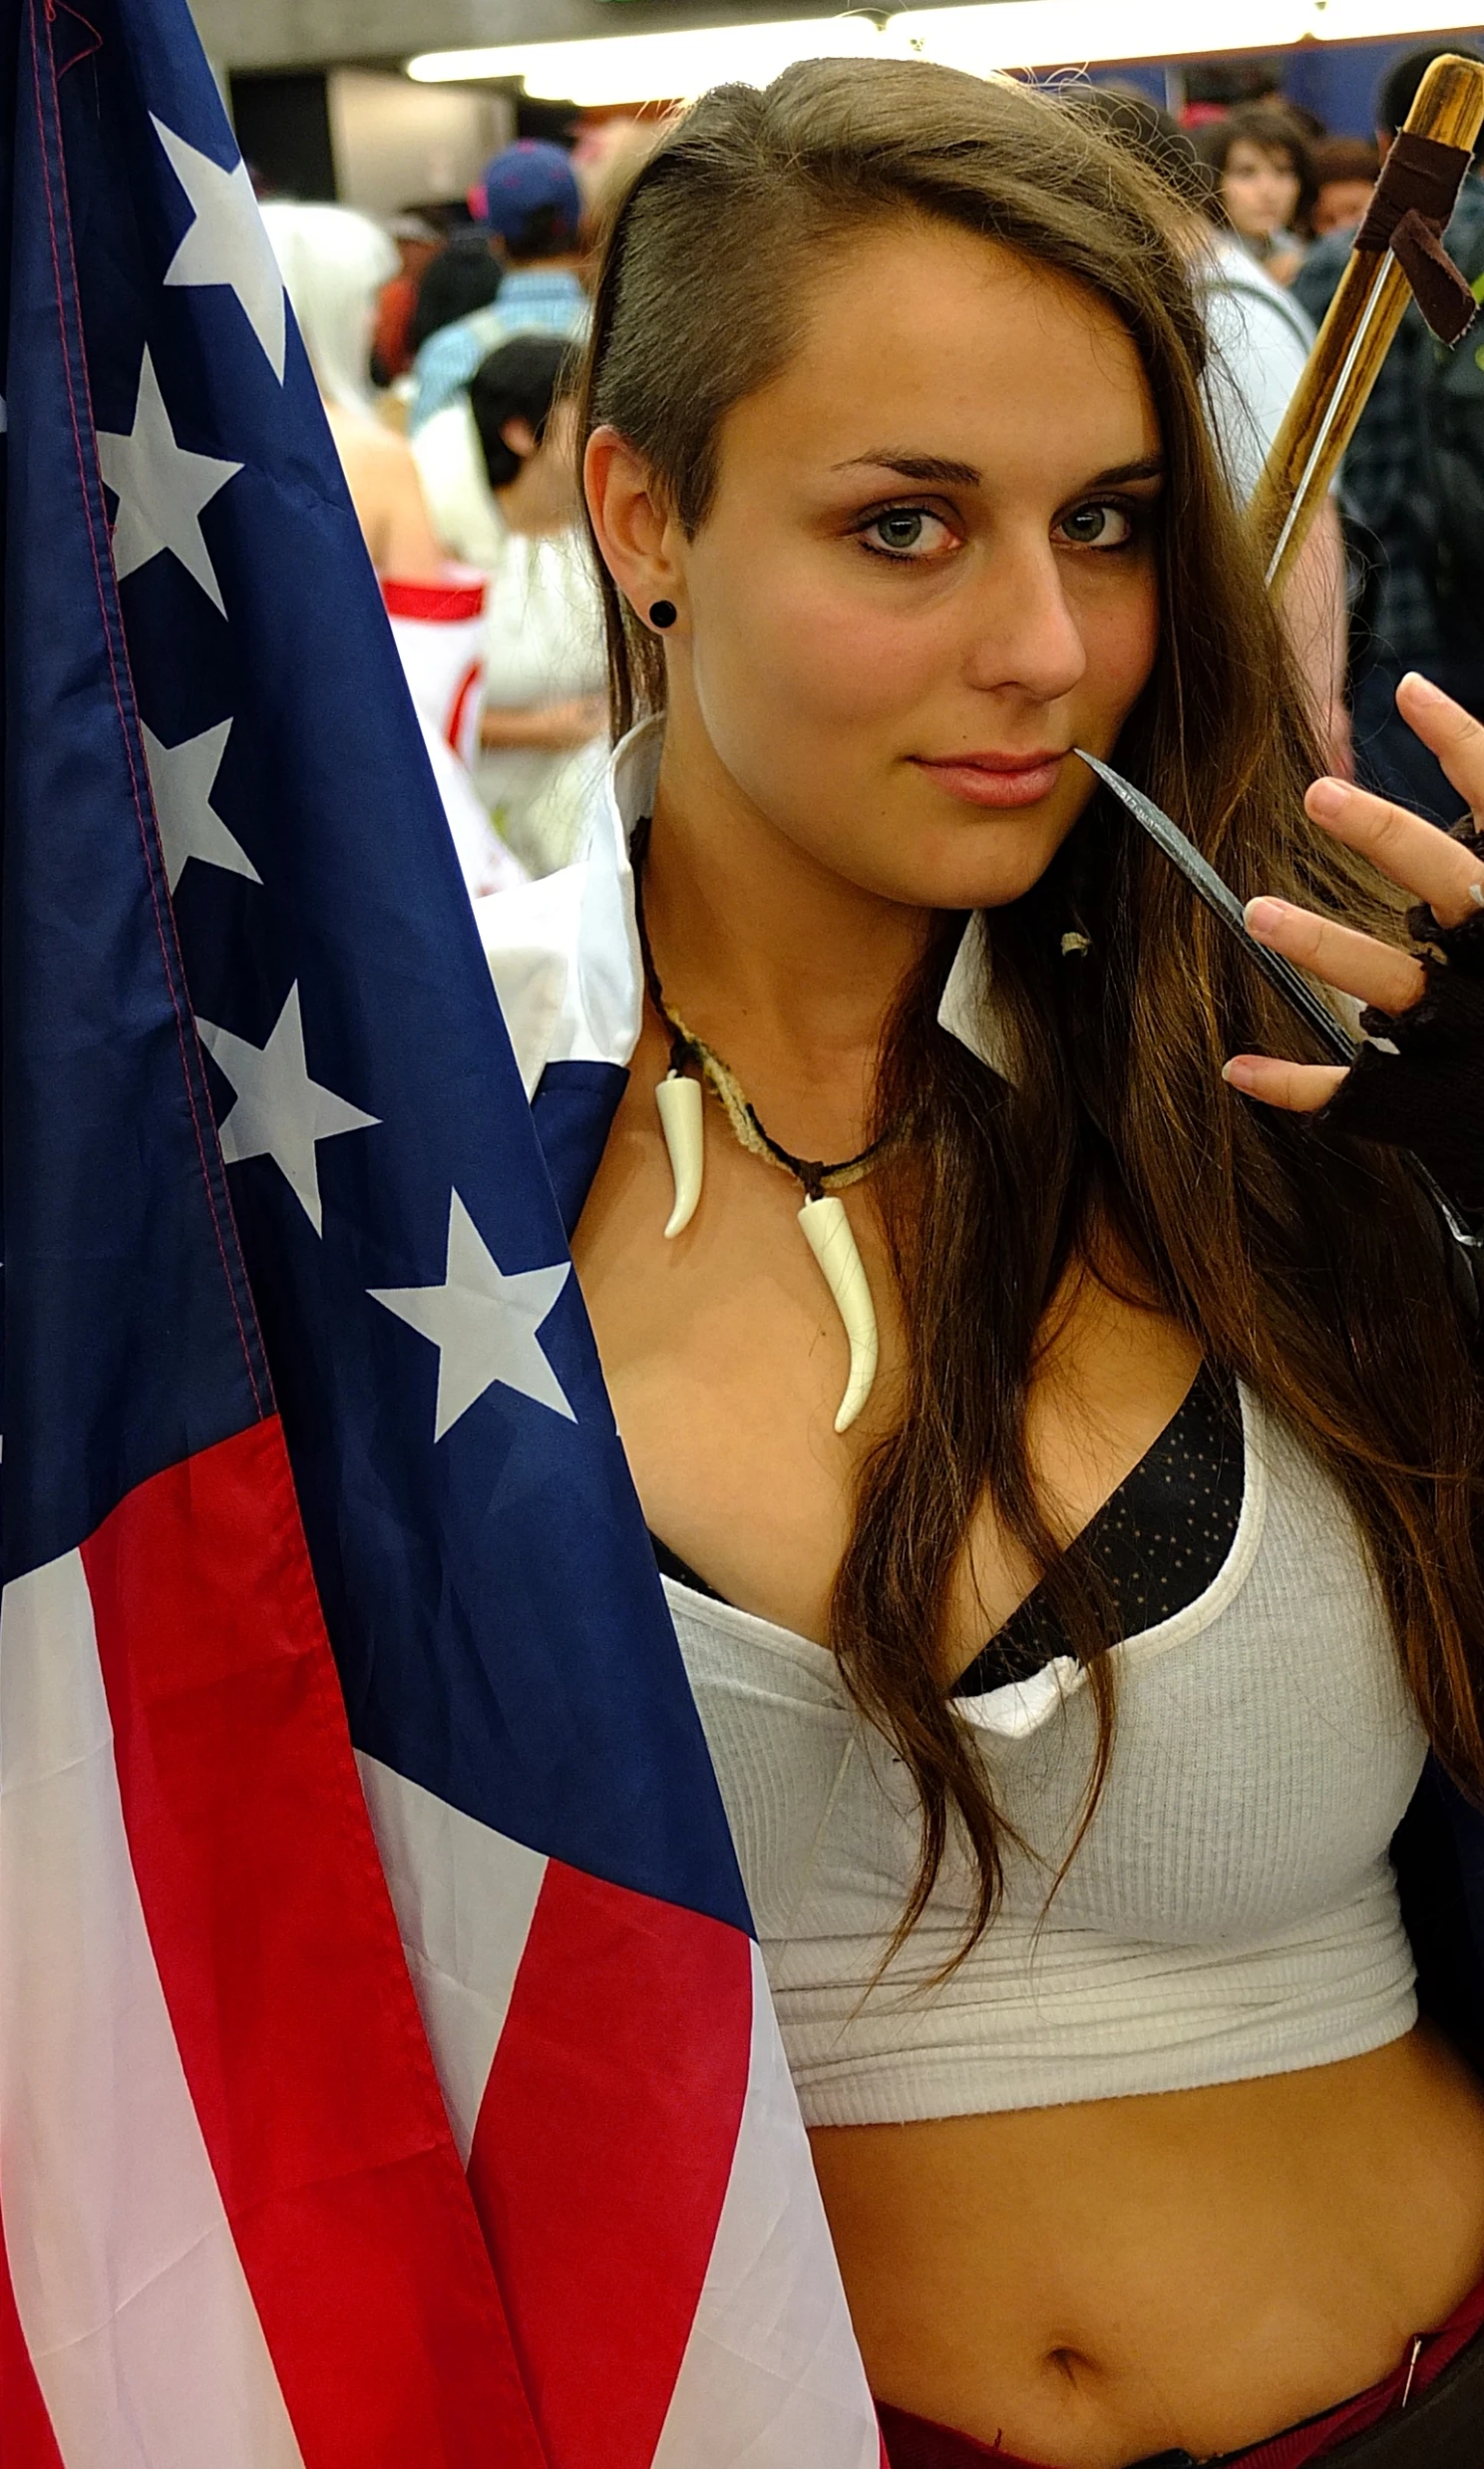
1280, 974
1222, 903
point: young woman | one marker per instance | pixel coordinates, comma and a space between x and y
1266, 184
498, 468
1069, 1680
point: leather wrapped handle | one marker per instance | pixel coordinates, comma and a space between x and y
1410, 210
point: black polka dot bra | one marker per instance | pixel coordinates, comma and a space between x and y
1156, 1543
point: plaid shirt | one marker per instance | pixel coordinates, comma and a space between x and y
1381, 483
531, 300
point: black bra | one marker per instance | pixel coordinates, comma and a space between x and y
1156, 1543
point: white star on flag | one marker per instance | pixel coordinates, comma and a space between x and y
182, 778
279, 1112
483, 1323
226, 242
161, 488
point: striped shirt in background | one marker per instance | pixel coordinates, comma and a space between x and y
536, 299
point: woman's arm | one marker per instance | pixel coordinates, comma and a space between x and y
552, 728
387, 494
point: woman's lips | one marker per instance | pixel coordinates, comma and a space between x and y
995, 779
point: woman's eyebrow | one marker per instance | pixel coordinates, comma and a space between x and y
937, 469
928, 467
1148, 467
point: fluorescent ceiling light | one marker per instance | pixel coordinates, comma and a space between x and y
1356, 20
1004, 34
658, 67
1027, 33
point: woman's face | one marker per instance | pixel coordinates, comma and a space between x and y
1259, 188
929, 570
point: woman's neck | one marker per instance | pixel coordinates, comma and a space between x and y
787, 971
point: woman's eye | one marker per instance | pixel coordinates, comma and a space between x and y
907, 532
1098, 527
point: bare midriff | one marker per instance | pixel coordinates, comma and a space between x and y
1091, 2285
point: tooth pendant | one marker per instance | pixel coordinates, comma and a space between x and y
680, 1103
828, 1232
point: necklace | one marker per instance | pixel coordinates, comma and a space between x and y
822, 1218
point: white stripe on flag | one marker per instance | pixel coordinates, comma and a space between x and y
132, 2298
464, 1898
771, 2375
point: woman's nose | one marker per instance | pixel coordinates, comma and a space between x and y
1025, 632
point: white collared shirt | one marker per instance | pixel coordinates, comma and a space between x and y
563, 951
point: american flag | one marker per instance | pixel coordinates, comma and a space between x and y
484, 2152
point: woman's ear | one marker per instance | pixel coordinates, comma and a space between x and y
636, 530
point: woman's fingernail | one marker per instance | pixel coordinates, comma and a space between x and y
1238, 1072
1265, 916
1423, 689
1326, 797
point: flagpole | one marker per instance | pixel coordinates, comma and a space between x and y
1353, 343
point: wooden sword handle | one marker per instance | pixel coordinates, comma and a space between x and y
1352, 342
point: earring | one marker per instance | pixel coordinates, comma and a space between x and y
662, 613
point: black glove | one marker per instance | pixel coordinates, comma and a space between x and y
1422, 1087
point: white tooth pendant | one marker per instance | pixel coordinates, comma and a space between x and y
834, 1246
680, 1103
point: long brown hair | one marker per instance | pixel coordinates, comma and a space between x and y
1303, 1263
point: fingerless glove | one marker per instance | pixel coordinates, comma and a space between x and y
1421, 1086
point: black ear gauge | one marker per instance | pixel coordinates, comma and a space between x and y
662, 613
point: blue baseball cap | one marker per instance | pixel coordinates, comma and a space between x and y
529, 177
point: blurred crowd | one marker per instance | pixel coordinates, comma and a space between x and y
444, 347
443, 344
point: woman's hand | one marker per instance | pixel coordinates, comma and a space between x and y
1418, 857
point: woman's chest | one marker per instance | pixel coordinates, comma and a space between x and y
1265, 1750
726, 1360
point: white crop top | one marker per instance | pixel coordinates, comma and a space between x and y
1232, 1911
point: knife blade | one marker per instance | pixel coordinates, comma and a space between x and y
1222, 903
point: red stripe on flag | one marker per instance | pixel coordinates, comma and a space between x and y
604, 2149
26, 2437
288, 1989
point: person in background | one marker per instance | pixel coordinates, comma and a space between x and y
417, 245
1264, 182
1260, 342
334, 264
465, 275
1397, 530
533, 209
500, 464
1346, 171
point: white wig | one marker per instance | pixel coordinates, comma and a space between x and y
333, 263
